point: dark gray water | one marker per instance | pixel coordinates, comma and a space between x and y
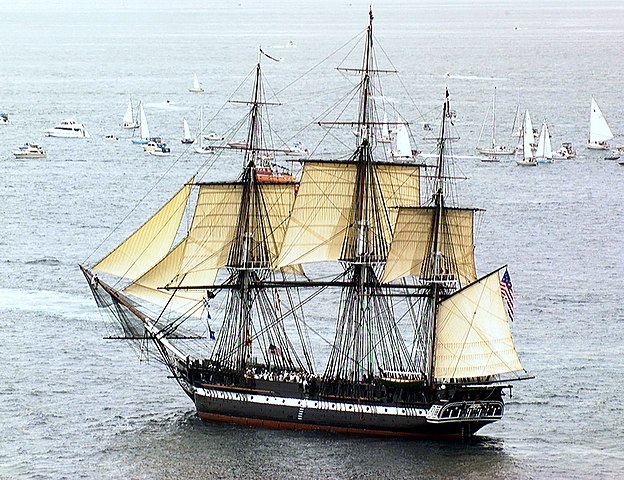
76, 406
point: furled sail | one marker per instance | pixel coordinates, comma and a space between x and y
528, 137
411, 251
599, 130
145, 247
473, 338
319, 221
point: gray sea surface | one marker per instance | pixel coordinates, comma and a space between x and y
73, 405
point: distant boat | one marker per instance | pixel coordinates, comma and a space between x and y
161, 150
129, 120
111, 137
187, 133
566, 151
544, 147
528, 159
68, 129
213, 137
493, 148
599, 131
385, 131
402, 148
196, 88
4, 118
144, 133
30, 150
202, 149
297, 150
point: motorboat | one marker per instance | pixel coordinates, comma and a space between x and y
111, 138
161, 150
4, 118
566, 151
30, 150
213, 137
154, 144
297, 150
68, 129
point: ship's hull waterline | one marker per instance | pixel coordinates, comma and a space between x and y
264, 410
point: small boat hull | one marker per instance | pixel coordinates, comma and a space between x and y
525, 163
597, 146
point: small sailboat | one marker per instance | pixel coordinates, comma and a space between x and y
403, 148
599, 131
129, 120
528, 159
385, 131
144, 133
202, 149
493, 148
544, 148
187, 133
196, 88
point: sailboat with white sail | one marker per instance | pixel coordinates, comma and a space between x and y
528, 157
395, 260
402, 146
599, 131
144, 132
544, 153
203, 149
196, 88
493, 149
385, 136
187, 133
129, 121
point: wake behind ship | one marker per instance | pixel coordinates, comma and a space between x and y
422, 346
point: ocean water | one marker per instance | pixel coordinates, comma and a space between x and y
73, 405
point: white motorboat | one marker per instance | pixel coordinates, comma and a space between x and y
111, 138
30, 150
68, 129
297, 150
566, 151
196, 88
4, 118
213, 137
161, 150
599, 131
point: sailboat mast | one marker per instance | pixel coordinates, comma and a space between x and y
253, 136
494, 119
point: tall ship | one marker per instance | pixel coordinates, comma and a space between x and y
421, 345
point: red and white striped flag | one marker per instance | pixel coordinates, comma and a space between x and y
507, 293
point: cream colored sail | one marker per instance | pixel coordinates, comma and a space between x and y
145, 247
473, 338
599, 130
411, 246
319, 220
167, 273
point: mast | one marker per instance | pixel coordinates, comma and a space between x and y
494, 119
436, 277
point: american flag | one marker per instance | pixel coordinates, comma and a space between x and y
507, 293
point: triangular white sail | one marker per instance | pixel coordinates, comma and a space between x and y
599, 130
385, 131
187, 130
403, 148
544, 147
473, 338
144, 132
128, 119
196, 86
527, 137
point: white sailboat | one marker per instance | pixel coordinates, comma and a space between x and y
544, 153
202, 149
493, 148
187, 133
385, 131
144, 133
403, 148
528, 159
599, 131
128, 119
196, 88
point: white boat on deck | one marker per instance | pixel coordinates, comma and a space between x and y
493, 148
30, 150
144, 133
187, 133
196, 88
528, 159
599, 131
202, 149
68, 129
129, 120
544, 148
402, 148
566, 151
